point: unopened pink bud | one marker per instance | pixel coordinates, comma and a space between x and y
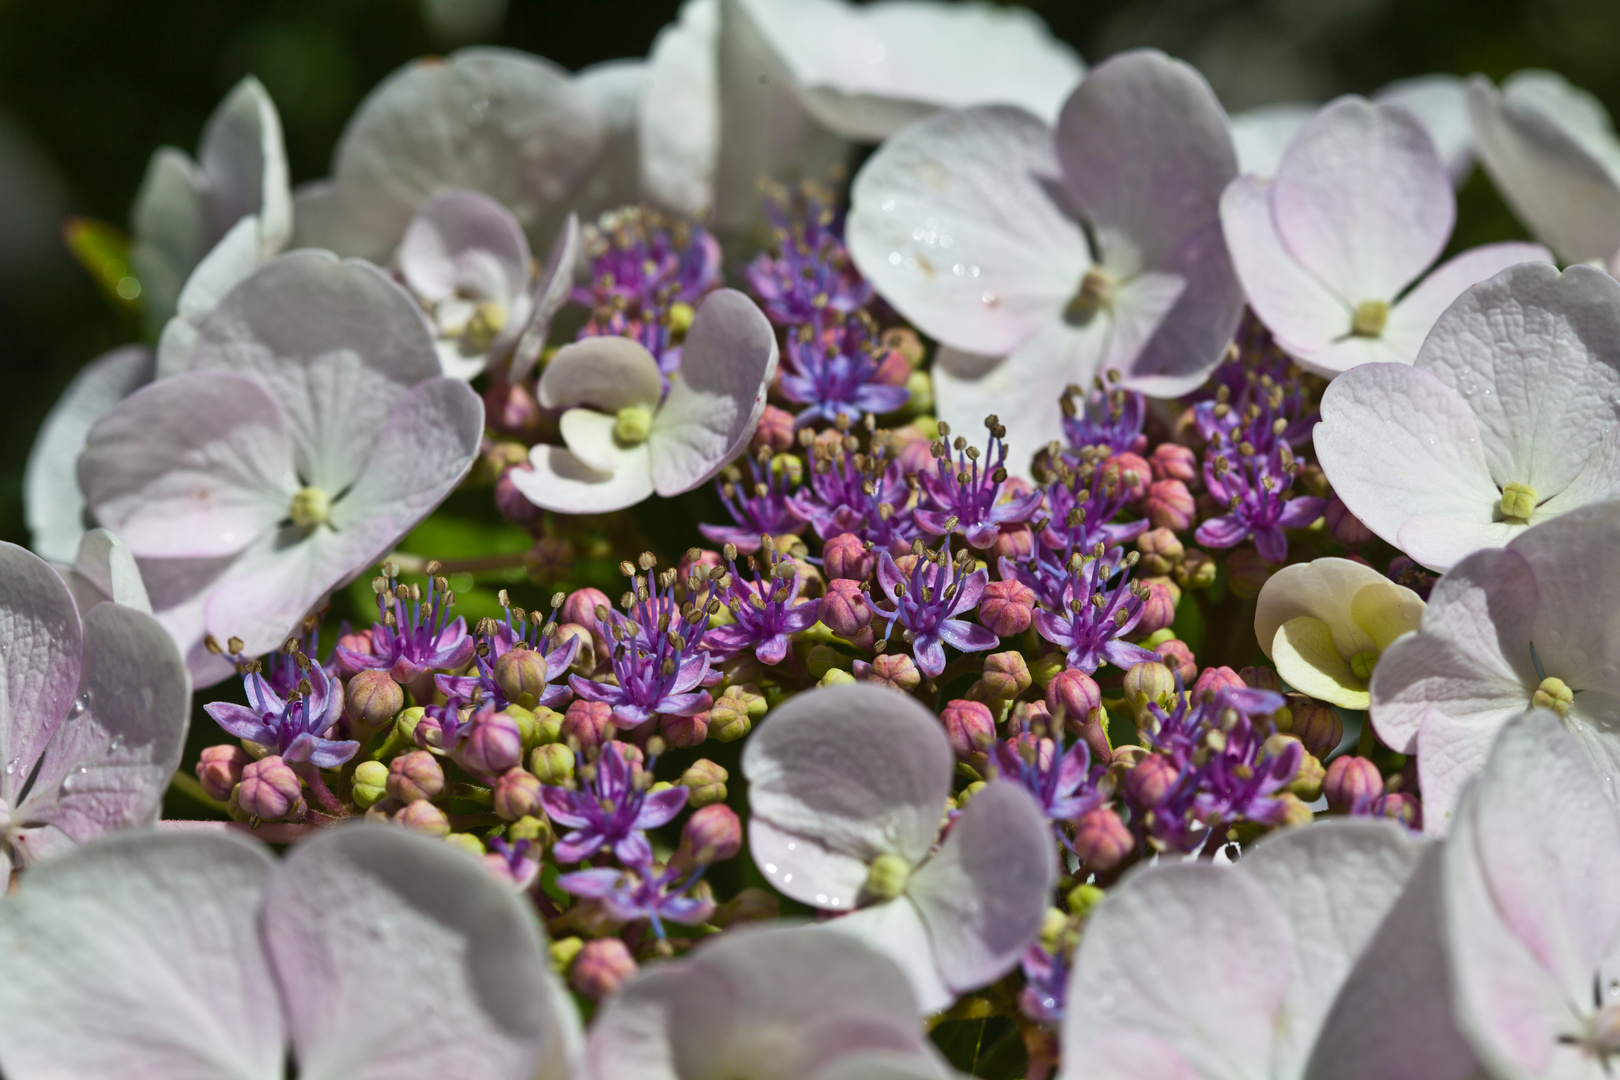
1399, 806
1151, 780
893, 370
512, 504
1260, 678
581, 605
588, 653
359, 643
415, 776
969, 727
713, 834
1005, 676
521, 675
1172, 461
424, 817
844, 609
1169, 505
1015, 542
846, 556
587, 722
1161, 551
684, 732
1315, 724
1346, 528
896, 670
493, 743
1215, 679
269, 789
1131, 472
601, 968
511, 410
1175, 655
517, 795
1073, 694
220, 769
373, 699
1247, 572
1351, 783
775, 430
1006, 608
1101, 839
1159, 612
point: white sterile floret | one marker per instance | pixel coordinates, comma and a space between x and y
847, 786
1532, 624
1041, 257
1329, 250
1507, 418
1319, 954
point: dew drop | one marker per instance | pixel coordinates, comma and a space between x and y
80, 705
478, 111
11, 766
990, 299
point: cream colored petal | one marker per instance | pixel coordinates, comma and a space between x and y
1384, 611
1306, 659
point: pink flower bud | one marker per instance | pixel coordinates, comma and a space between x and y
511, 410
916, 457
1147, 682
845, 556
1315, 724
1172, 461
512, 504
1130, 472
587, 722
844, 609
1015, 542
220, 769
969, 727
1150, 781
707, 783
521, 675
894, 369
1351, 783
581, 605
896, 670
492, 743
1175, 655
415, 776
1214, 679
684, 732
1159, 612
1346, 528
552, 764
358, 642
1101, 839
269, 789
775, 430
373, 698
1005, 676
1247, 572
550, 559
713, 834
517, 795
1006, 608
1161, 551
1169, 505
588, 653
601, 968
424, 817
1260, 678
1073, 694
1399, 806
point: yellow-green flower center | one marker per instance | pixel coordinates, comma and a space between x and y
488, 320
310, 506
1096, 293
632, 425
1369, 319
1553, 694
1518, 502
887, 877
1362, 664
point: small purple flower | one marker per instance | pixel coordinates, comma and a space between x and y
638, 893
496, 639
1062, 781
766, 611
966, 497
1106, 416
293, 727
610, 810
835, 371
414, 634
1046, 981
861, 493
656, 658
518, 863
284, 667
1096, 607
1255, 489
811, 271
761, 506
1083, 499
928, 602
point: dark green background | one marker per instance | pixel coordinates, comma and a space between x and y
95, 85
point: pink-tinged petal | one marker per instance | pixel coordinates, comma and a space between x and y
1576, 635
1362, 200
464, 243
227, 265
180, 590
364, 906
1551, 153
895, 928
173, 229
617, 88
40, 666
105, 570
52, 502
1350, 351
1195, 956
1536, 355
139, 956
1397, 442
1440, 104
715, 402
1130, 1055
602, 373
550, 294
1415, 315
1303, 313
661, 807
511, 125
335, 342
856, 770
1261, 135
773, 649
1471, 655
984, 893
1451, 751
194, 466
956, 221
242, 154
810, 873
1532, 898
557, 480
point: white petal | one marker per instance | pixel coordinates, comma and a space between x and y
716, 399
366, 906
557, 480
1414, 316
1451, 751
895, 928
1261, 136
52, 501
604, 373
618, 88
1576, 633
335, 341
139, 957
179, 590
1552, 154
1399, 444
1322, 589
1195, 956
1304, 314
464, 243
827, 877
680, 110
229, 264
197, 465
588, 434
39, 668
246, 163
855, 770
1440, 104
172, 230
105, 570
957, 223
984, 893
551, 292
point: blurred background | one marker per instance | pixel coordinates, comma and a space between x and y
89, 88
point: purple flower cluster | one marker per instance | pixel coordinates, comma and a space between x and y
927, 601
611, 809
838, 366
533, 678
294, 726
1095, 608
1083, 501
639, 893
761, 506
765, 611
861, 493
1062, 780
414, 634
1106, 416
967, 497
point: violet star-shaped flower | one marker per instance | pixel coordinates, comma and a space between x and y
761, 506
1096, 608
295, 726
927, 602
611, 809
1105, 416
501, 639
414, 633
1254, 487
765, 612
1083, 500
967, 497
1062, 780
811, 271
638, 893
860, 493
838, 371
